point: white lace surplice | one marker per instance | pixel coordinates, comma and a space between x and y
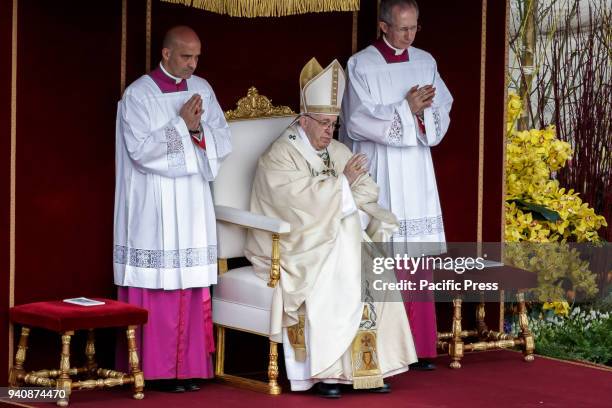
378, 123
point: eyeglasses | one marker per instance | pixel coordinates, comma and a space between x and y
326, 124
412, 29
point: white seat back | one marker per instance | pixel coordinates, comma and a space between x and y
232, 186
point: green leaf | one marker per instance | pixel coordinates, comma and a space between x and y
539, 212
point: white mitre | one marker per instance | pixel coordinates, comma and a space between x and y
321, 90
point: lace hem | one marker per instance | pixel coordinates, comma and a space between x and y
420, 226
156, 258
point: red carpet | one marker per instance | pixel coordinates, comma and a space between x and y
488, 379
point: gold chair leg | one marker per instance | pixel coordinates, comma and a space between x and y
64, 382
220, 352
271, 387
455, 347
134, 363
90, 353
17, 372
274, 388
525, 334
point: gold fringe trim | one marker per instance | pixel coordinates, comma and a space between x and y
367, 383
269, 8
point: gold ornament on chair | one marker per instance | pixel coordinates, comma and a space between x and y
254, 106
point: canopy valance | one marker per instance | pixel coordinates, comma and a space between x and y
269, 8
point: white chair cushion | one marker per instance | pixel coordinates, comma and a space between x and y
243, 301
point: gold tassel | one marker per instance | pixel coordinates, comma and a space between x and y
269, 8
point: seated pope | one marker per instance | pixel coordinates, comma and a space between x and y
331, 333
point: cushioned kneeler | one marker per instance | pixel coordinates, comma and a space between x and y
66, 318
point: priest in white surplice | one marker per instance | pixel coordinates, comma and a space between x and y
171, 137
329, 333
396, 107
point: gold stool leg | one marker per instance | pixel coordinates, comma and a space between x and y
90, 352
64, 382
220, 351
480, 319
525, 334
135, 363
17, 372
455, 348
274, 388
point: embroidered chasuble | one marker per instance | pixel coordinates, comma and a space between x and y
165, 253
317, 310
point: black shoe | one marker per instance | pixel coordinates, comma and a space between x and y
190, 385
328, 390
385, 389
173, 386
422, 365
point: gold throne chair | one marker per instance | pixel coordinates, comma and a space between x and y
241, 300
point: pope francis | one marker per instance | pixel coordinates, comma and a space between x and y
331, 333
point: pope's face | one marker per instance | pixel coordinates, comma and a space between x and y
400, 32
319, 128
181, 59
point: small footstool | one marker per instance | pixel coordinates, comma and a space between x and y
65, 318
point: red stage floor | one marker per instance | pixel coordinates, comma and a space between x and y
487, 379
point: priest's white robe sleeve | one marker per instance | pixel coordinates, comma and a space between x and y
437, 117
167, 150
348, 202
217, 136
